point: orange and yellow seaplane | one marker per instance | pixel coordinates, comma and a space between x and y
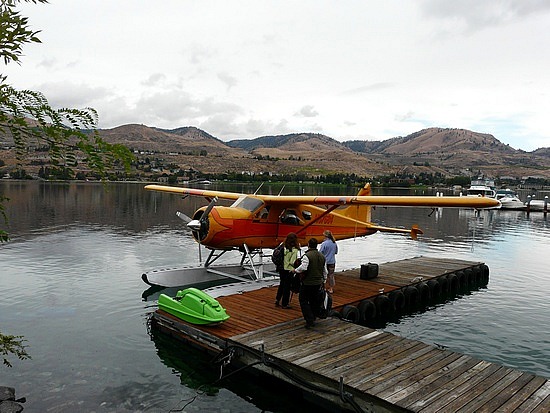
253, 222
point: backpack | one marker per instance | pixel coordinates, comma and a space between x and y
325, 301
278, 256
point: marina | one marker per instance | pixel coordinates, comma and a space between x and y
358, 368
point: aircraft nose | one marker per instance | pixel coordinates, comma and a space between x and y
194, 225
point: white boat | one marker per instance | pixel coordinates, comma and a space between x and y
509, 199
533, 204
482, 188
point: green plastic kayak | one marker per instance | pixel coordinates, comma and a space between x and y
194, 306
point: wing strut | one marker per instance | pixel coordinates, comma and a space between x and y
328, 211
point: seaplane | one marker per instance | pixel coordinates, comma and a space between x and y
252, 223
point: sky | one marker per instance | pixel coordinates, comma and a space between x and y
351, 70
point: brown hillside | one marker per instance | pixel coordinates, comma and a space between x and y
439, 140
144, 138
306, 146
448, 152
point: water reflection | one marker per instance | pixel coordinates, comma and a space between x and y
71, 283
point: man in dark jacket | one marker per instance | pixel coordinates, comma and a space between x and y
313, 271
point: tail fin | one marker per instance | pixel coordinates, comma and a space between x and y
365, 191
358, 212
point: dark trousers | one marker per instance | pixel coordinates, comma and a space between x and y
309, 302
283, 292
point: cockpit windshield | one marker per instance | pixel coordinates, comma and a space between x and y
248, 203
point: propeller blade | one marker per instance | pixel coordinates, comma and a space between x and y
183, 217
208, 208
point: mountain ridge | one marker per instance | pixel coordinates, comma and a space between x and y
449, 151
443, 151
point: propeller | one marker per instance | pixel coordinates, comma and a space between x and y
201, 225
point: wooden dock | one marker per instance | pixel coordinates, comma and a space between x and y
359, 368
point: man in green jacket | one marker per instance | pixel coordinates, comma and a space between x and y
313, 272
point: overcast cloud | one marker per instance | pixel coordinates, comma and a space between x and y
350, 70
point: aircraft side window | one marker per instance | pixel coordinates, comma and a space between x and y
264, 213
290, 218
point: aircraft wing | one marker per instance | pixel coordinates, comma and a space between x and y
412, 201
192, 191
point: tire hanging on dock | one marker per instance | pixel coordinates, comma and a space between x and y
454, 283
335, 313
384, 307
470, 278
484, 275
462, 280
476, 276
444, 284
350, 313
398, 300
435, 289
367, 311
424, 292
412, 297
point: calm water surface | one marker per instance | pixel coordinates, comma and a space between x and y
70, 284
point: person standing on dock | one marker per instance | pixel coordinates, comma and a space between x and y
313, 271
329, 249
291, 249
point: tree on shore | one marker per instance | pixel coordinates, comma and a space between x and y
28, 118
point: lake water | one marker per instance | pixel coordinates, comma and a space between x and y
71, 284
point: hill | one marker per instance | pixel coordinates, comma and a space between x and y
435, 151
458, 151
183, 140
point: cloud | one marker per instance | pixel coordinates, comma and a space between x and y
225, 127
307, 111
404, 117
68, 94
227, 79
154, 80
176, 106
369, 88
48, 62
476, 15
199, 53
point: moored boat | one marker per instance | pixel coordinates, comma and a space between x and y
194, 306
533, 204
482, 187
509, 199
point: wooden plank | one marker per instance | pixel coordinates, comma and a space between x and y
440, 401
438, 388
415, 373
411, 384
489, 378
539, 401
328, 351
522, 395
491, 392
382, 373
433, 382
449, 262
299, 348
504, 396
345, 362
398, 351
